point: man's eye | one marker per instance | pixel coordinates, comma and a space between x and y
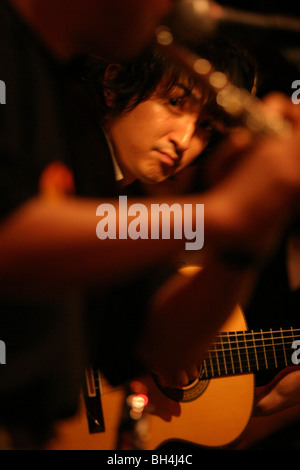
207, 125
176, 102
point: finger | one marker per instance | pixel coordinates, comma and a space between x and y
178, 379
187, 376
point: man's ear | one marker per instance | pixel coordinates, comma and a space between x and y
110, 73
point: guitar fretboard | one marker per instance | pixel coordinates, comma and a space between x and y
250, 351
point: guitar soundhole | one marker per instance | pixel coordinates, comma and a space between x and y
185, 394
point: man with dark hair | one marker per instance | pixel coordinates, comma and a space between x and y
119, 89
157, 120
140, 104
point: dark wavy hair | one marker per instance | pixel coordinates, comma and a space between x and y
136, 81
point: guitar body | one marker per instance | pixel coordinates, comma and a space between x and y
74, 434
214, 419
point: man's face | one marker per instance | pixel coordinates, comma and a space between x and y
160, 136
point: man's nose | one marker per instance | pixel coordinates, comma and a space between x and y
182, 133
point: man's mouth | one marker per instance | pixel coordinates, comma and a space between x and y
168, 158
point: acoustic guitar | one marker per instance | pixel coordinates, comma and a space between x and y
213, 411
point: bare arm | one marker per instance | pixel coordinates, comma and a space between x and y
53, 244
186, 314
47, 246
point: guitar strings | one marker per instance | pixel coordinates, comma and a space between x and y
248, 350
259, 332
220, 346
233, 350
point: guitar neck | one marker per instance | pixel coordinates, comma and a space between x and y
244, 352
